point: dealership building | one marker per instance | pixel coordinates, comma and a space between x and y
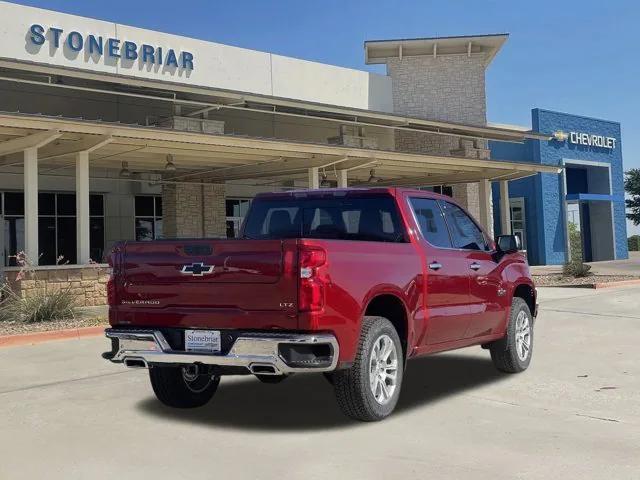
110, 132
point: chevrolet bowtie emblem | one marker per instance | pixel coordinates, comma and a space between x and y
197, 269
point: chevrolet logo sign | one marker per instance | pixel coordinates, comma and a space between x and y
197, 269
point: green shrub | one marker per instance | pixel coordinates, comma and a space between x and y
576, 269
634, 243
39, 306
575, 243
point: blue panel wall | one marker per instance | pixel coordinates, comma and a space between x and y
553, 152
546, 236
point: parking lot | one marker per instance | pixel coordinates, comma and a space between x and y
67, 414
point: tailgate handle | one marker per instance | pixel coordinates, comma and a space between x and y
198, 250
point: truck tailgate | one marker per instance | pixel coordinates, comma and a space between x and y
209, 284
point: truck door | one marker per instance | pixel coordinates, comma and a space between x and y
446, 276
485, 310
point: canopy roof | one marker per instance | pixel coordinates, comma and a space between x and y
221, 158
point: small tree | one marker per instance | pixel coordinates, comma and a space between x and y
575, 267
632, 187
575, 242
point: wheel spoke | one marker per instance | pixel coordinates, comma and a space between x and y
386, 350
385, 390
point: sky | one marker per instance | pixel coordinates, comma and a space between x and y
580, 57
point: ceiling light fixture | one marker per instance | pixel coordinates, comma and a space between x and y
324, 182
125, 172
170, 166
372, 176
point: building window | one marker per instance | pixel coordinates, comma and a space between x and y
56, 227
441, 189
236, 211
444, 190
12, 208
96, 228
518, 220
148, 217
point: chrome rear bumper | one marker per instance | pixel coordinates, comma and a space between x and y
258, 353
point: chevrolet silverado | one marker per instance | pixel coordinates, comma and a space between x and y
351, 283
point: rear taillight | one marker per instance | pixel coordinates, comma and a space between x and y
111, 291
114, 265
311, 292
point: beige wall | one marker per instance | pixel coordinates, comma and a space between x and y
215, 65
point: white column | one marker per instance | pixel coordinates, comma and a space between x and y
484, 194
314, 178
505, 208
31, 205
82, 207
343, 181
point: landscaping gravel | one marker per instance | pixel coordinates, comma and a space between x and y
560, 281
16, 328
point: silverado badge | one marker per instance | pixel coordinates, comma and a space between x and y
197, 269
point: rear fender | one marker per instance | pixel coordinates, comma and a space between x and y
404, 325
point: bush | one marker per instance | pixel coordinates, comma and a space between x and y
576, 269
39, 306
634, 243
575, 243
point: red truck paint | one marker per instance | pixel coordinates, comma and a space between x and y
257, 286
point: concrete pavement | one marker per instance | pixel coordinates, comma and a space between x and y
66, 414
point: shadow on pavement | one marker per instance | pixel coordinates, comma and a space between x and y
306, 402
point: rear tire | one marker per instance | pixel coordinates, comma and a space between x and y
369, 390
513, 353
176, 388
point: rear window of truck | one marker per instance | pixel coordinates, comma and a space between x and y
371, 218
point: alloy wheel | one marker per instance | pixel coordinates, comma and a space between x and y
383, 369
523, 335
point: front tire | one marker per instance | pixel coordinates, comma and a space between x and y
182, 387
513, 353
369, 390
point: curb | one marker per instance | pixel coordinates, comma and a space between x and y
621, 283
596, 286
41, 337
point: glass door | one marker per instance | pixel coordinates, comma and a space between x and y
518, 222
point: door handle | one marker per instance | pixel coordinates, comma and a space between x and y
475, 266
435, 266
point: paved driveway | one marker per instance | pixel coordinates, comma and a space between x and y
66, 414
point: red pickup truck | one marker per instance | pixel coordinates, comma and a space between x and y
348, 282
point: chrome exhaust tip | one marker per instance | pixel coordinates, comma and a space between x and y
263, 369
132, 362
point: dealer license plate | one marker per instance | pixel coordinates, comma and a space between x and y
207, 341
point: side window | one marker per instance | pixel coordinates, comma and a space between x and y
464, 232
431, 222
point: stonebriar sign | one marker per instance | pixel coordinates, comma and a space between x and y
111, 48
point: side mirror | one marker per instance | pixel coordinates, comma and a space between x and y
508, 243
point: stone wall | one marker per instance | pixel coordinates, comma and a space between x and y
215, 212
193, 210
88, 284
448, 88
